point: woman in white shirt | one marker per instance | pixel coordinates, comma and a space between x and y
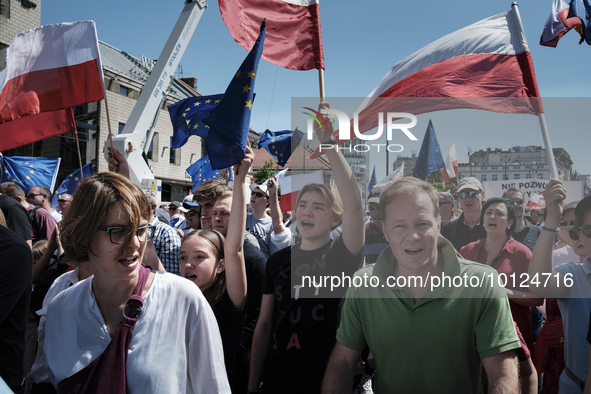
175, 345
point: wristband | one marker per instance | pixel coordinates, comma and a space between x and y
555, 230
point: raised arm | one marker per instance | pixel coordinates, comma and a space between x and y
278, 226
234, 246
353, 226
340, 370
542, 282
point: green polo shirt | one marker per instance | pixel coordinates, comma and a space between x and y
436, 344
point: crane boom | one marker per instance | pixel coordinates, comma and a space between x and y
145, 109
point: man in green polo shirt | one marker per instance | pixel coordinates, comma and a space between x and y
426, 337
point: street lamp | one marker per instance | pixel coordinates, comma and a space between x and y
505, 161
471, 165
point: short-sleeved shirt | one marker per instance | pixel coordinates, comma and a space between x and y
575, 310
463, 233
261, 229
513, 258
304, 321
528, 235
168, 246
16, 217
44, 224
434, 345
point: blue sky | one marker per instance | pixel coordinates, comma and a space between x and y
362, 40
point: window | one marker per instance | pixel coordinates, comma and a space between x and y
123, 90
150, 154
483, 168
483, 178
5, 8
528, 176
516, 176
172, 158
494, 177
505, 177
540, 176
121, 127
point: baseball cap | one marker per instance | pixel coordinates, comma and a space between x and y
162, 215
446, 196
188, 202
262, 188
374, 197
176, 204
469, 183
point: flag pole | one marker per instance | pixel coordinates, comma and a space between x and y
108, 120
78, 149
321, 84
541, 117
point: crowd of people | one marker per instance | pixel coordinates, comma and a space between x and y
98, 296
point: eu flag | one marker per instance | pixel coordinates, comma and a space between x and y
201, 171
372, 181
70, 184
230, 120
187, 117
582, 10
280, 144
430, 158
28, 172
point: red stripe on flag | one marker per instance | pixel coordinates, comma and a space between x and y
34, 128
293, 38
50, 90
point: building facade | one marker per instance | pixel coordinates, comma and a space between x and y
16, 16
517, 163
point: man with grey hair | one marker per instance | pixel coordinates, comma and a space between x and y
166, 241
450, 331
525, 232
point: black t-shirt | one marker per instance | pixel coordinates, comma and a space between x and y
589, 333
254, 261
231, 323
16, 266
16, 216
463, 233
304, 320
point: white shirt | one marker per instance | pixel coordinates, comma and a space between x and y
173, 350
56, 215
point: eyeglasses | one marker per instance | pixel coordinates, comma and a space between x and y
32, 195
60, 200
564, 223
249, 210
117, 234
473, 194
518, 201
172, 208
258, 194
192, 212
574, 234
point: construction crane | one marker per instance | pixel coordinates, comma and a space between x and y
142, 117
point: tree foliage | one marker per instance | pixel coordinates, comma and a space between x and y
264, 173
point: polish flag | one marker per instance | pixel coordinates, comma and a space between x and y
49, 70
486, 66
451, 165
384, 183
558, 24
294, 37
536, 200
291, 186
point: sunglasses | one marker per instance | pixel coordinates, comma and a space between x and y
32, 195
564, 223
585, 230
473, 194
192, 212
172, 208
518, 201
258, 194
63, 200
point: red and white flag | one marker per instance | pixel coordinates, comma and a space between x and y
291, 186
486, 66
294, 37
451, 165
557, 24
384, 183
536, 201
49, 70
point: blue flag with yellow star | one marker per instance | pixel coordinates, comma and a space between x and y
280, 144
201, 171
28, 172
230, 120
187, 117
70, 184
372, 181
430, 158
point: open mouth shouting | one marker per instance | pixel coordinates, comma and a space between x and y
191, 276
